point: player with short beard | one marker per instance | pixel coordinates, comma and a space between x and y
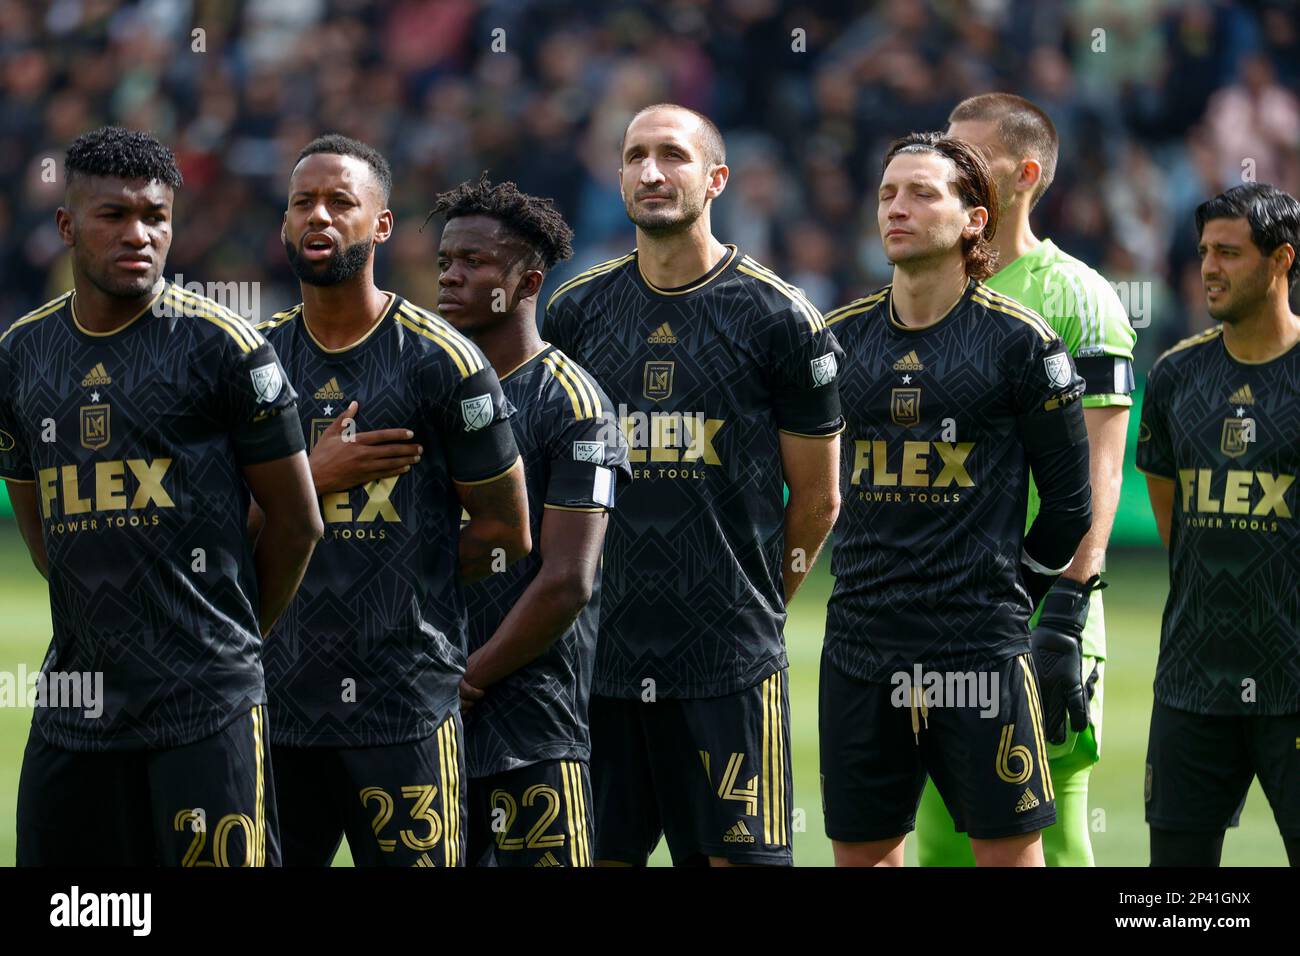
135, 419
725, 377
953, 396
1220, 445
363, 671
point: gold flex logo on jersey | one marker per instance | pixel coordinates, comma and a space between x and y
922, 467
1250, 494
329, 392
96, 376
336, 509
662, 336
671, 438
62, 494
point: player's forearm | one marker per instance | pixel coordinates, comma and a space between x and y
1106, 472
22, 496
808, 521
542, 614
497, 533
488, 545
1091, 553
283, 551
256, 520
1056, 446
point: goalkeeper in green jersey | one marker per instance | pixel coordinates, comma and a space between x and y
1020, 142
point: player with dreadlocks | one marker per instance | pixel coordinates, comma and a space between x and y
532, 629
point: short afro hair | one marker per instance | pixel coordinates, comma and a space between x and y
339, 145
533, 220
121, 154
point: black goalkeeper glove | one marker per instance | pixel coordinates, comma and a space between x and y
1057, 646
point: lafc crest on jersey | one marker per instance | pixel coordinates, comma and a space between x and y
905, 406
318, 427
1237, 434
657, 381
1238, 431
94, 426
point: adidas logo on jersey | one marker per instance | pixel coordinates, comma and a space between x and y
1242, 396
1027, 801
330, 391
548, 859
909, 363
96, 376
662, 336
738, 834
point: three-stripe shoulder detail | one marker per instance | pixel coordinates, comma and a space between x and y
857, 306
279, 318
48, 309
236, 326
586, 276
1001, 303
582, 391
756, 270
436, 329
1200, 338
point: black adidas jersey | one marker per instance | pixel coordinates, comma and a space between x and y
574, 454
372, 648
704, 376
1227, 433
934, 481
135, 440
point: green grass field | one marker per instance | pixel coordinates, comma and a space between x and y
1133, 605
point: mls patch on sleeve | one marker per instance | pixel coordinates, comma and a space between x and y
602, 491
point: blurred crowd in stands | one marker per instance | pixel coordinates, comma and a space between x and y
1159, 105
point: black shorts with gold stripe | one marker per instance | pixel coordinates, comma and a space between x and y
208, 803
398, 804
978, 734
711, 775
539, 815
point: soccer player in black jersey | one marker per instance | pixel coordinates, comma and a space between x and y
407, 424
724, 375
135, 418
952, 396
532, 630
1220, 444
